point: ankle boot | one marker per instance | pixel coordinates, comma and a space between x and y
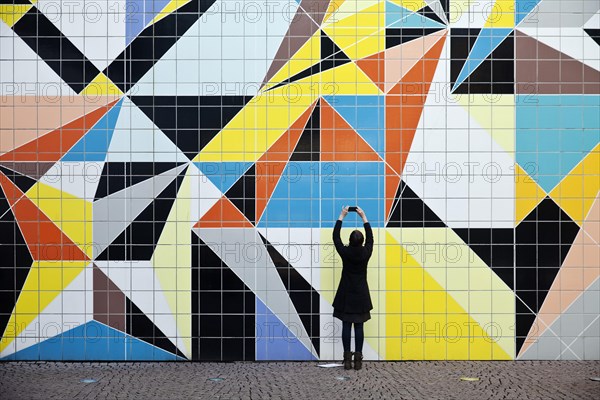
347, 360
358, 360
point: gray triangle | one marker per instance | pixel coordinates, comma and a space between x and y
245, 254
112, 214
574, 329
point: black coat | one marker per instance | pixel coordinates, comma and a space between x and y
352, 295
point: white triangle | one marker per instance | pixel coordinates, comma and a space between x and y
96, 28
448, 145
79, 178
23, 72
223, 53
297, 246
573, 42
136, 138
137, 280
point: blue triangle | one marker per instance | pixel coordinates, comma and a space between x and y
223, 174
366, 114
94, 144
523, 8
152, 8
554, 134
139, 15
296, 198
400, 17
486, 42
92, 341
134, 20
274, 341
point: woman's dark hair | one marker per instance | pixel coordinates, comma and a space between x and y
356, 238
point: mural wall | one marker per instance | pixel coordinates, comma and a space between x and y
171, 171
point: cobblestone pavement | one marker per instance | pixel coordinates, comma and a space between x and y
301, 380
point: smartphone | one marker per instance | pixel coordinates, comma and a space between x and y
351, 209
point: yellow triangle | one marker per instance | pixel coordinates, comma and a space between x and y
259, 124
72, 215
501, 15
11, 13
172, 261
419, 316
101, 86
496, 116
576, 193
412, 5
528, 194
346, 79
332, 9
360, 35
308, 55
169, 8
44, 282
347, 8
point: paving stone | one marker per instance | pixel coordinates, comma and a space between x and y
301, 380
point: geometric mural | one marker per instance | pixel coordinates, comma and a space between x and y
171, 171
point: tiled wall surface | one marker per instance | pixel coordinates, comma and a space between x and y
171, 170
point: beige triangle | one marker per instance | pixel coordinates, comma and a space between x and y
494, 113
580, 269
172, 262
401, 59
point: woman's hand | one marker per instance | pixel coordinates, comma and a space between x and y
343, 213
362, 214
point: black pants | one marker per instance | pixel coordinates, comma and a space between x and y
359, 335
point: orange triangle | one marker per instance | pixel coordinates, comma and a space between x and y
224, 214
52, 146
44, 239
270, 165
404, 106
339, 141
374, 67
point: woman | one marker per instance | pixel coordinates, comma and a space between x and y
352, 301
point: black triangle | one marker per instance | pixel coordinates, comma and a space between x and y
16, 261
446, 7
494, 75
242, 193
117, 176
523, 321
191, 122
495, 246
331, 57
309, 144
409, 211
594, 34
139, 239
153, 43
542, 242
137, 324
304, 297
397, 36
222, 306
23, 182
427, 12
331, 50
